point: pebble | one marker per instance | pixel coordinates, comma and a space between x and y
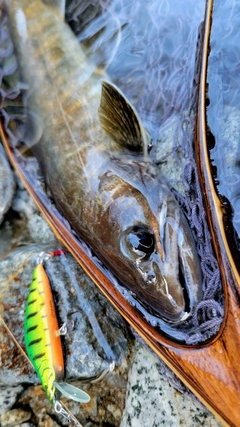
13, 417
8, 396
48, 422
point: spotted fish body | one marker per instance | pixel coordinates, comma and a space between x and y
92, 149
43, 342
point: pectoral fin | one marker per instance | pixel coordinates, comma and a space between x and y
120, 121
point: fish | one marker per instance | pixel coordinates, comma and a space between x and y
92, 149
43, 339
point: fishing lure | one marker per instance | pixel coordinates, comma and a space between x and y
43, 338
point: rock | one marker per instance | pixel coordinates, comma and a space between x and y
115, 411
106, 395
37, 227
6, 235
8, 396
7, 184
151, 400
14, 417
47, 422
23, 224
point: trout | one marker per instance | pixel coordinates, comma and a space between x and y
93, 152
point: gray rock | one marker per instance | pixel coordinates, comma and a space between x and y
7, 184
152, 401
38, 229
8, 396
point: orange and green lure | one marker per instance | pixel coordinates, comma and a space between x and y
42, 337
43, 342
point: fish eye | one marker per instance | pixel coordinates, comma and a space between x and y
140, 241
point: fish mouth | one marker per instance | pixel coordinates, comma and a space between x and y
182, 282
179, 270
172, 299
180, 312
165, 297
182, 274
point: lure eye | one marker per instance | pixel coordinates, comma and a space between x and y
140, 241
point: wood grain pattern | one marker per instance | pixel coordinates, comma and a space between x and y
212, 370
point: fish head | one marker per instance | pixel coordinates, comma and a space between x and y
147, 240
148, 244
164, 257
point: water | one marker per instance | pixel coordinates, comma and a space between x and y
223, 111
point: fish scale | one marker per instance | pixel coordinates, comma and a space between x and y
43, 343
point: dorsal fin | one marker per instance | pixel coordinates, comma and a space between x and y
119, 119
57, 5
72, 392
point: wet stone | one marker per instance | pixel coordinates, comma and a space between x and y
8, 396
7, 184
